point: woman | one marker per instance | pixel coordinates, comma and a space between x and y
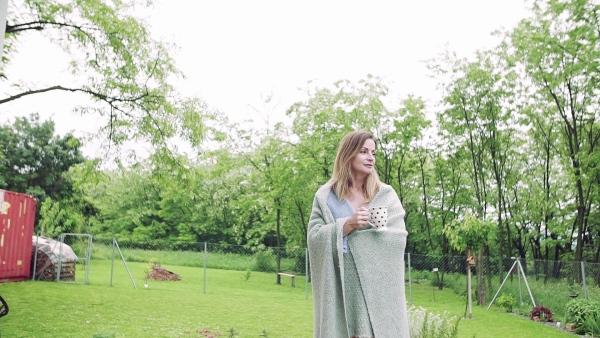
357, 273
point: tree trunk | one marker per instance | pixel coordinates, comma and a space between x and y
481, 272
469, 292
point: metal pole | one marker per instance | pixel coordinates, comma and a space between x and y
112, 260
125, 263
520, 287
89, 258
409, 280
583, 279
37, 239
526, 284
501, 285
306, 273
205, 259
60, 257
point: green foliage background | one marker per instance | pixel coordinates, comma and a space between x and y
513, 140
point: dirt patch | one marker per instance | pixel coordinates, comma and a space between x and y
160, 273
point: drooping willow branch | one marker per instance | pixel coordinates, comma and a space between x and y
108, 99
40, 24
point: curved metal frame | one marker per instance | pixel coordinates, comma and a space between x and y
3, 308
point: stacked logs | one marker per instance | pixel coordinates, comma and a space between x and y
45, 269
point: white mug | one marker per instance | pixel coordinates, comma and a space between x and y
378, 217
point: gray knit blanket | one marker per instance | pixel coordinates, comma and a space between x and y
379, 259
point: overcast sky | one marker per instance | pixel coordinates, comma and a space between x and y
235, 52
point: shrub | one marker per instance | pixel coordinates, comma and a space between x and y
299, 263
418, 275
264, 261
591, 326
423, 324
578, 310
542, 313
507, 302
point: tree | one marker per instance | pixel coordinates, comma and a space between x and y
406, 150
557, 48
477, 120
449, 198
467, 235
116, 63
39, 163
35, 161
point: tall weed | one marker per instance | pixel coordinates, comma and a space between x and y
424, 324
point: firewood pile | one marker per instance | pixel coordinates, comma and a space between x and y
159, 273
46, 270
45, 265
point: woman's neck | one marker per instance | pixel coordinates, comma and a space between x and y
357, 186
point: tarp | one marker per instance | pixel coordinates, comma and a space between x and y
54, 249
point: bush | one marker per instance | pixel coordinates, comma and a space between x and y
507, 302
591, 326
578, 310
264, 261
542, 313
418, 275
423, 324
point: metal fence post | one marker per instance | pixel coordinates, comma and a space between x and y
409, 280
116, 244
60, 256
519, 278
205, 259
306, 273
112, 261
37, 239
585, 294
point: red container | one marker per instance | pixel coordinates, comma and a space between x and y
17, 219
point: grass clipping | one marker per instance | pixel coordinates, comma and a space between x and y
157, 272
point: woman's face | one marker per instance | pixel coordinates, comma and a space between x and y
364, 161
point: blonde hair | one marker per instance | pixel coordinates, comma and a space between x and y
342, 178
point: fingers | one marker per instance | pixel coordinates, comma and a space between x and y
362, 217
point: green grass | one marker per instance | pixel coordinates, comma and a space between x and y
178, 309
485, 323
553, 294
165, 309
214, 259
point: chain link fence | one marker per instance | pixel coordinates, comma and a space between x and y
531, 282
282, 262
64, 260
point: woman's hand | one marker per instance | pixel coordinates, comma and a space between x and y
358, 220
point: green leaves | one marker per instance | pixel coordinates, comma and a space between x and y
468, 233
557, 49
125, 73
34, 159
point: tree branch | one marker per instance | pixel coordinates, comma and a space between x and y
109, 99
39, 25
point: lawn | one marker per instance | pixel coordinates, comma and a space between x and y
252, 304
